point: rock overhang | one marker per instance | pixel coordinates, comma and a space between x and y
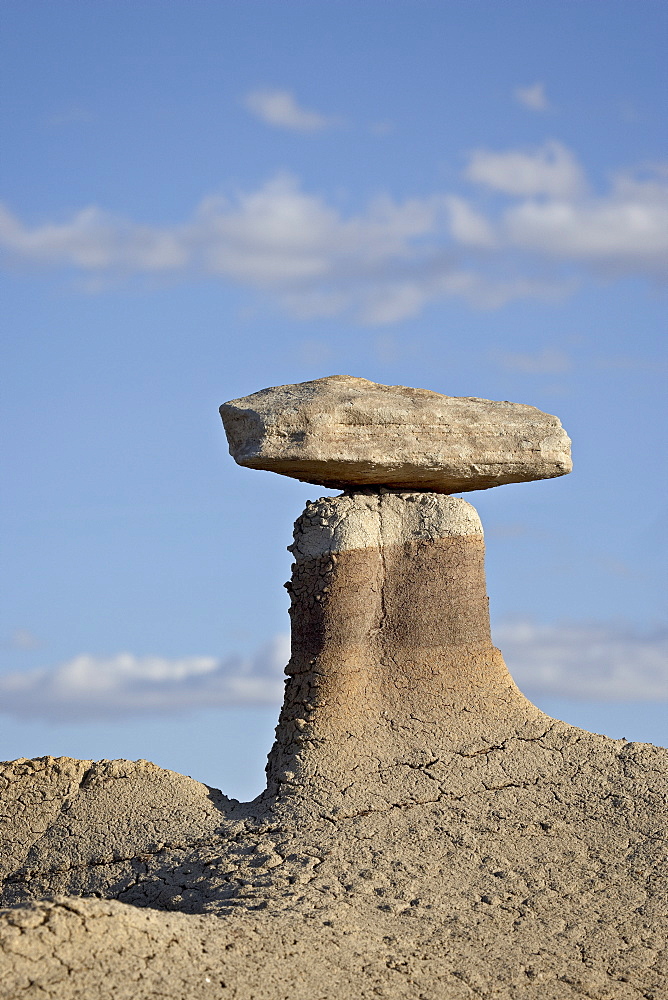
342, 432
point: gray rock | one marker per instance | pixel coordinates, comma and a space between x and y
342, 431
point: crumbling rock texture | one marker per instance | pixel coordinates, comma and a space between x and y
426, 832
342, 431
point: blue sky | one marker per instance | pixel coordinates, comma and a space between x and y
203, 199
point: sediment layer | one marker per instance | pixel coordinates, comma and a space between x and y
390, 639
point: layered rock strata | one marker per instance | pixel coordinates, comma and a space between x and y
342, 431
391, 648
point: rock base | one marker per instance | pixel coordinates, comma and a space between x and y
427, 833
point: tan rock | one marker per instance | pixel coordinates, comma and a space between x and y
390, 641
426, 832
342, 431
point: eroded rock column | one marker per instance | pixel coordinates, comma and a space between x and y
391, 646
392, 668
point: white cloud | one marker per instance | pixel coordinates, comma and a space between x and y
469, 226
625, 231
550, 170
533, 97
94, 240
586, 661
90, 687
391, 259
277, 238
280, 109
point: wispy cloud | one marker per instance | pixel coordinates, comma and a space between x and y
533, 97
280, 109
581, 661
550, 170
468, 226
388, 261
89, 687
586, 661
624, 232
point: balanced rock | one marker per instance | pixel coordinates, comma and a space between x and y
342, 431
426, 832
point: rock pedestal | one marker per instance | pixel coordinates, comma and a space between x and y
392, 661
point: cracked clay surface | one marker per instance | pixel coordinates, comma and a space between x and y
426, 832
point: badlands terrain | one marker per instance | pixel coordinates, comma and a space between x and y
426, 832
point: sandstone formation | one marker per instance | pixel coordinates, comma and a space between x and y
342, 431
426, 832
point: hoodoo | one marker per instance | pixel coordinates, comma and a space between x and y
392, 658
426, 832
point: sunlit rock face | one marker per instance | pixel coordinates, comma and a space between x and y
342, 431
426, 832
390, 642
